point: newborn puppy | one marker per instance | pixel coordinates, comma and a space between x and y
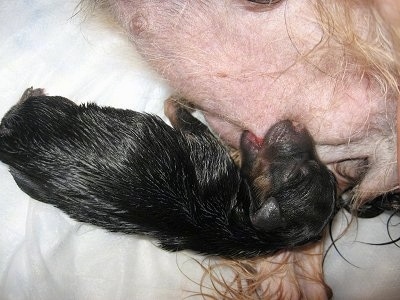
130, 172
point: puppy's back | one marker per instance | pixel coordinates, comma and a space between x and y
118, 169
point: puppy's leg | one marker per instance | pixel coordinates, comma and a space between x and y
181, 117
213, 165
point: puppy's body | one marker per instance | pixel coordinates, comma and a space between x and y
130, 172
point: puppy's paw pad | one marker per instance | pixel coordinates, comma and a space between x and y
171, 106
178, 111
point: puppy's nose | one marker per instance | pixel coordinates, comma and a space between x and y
284, 131
298, 127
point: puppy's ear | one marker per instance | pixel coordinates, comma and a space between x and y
249, 146
269, 216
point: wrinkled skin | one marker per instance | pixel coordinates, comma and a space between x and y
245, 65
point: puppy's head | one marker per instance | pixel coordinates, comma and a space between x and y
293, 193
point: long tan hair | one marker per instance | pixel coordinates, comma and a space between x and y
369, 42
373, 48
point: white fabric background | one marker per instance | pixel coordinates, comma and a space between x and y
46, 255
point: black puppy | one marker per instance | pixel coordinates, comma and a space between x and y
130, 172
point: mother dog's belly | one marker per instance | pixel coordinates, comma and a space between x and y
250, 65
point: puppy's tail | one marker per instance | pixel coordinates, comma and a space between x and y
3, 134
10, 118
7, 145
4, 154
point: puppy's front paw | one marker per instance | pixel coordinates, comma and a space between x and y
178, 111
171, 106
31, 92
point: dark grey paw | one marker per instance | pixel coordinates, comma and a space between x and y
31, 92
11, 117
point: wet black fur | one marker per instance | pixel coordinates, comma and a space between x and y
130, 172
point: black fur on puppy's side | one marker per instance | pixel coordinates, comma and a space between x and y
130, 172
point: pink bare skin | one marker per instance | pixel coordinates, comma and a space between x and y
246, 66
